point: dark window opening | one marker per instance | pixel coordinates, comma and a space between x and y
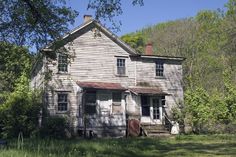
90, 103
62, 63
156, 111
163, 101
62, 102
145, 103
159, 69
116, 98
121, 66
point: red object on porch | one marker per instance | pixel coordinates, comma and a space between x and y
147, 90
100, 85
133, 127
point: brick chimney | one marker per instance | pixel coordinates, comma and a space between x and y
87, 18
148, 49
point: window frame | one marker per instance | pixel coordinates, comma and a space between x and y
62, 64
121, 66
90, 104
159, 69
65, 101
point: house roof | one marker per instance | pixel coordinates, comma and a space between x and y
73, 34
100, 85
147, 90
159, 57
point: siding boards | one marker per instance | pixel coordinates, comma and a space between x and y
94, 59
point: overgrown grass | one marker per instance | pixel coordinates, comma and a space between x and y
184, 145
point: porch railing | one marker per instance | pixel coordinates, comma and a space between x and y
168, 123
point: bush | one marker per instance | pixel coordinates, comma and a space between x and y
54, 127
19, 113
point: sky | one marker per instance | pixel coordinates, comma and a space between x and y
153, 12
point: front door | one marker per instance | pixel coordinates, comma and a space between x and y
151, 110
156, 110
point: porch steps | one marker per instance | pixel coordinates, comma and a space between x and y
154, 130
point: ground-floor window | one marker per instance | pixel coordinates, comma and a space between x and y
90, 102
62, 102
116, 103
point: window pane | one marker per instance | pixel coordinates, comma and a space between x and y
62, 63
62, 102
121, 66
159, 69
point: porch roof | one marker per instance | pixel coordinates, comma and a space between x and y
100, 85
147, 90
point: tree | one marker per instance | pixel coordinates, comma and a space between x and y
34, 22
19, 113
14, 61
37, 22
136, 41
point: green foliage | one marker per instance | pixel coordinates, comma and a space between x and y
136, 41
14, 61
107, 10
34, 22
19, 113
230, 96
208, 42
198, 108
54, 127
182, 145
211, 113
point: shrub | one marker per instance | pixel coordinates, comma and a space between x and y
19, 113
54, 127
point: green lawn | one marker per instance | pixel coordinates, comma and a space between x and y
184, 145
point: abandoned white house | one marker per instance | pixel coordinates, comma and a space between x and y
99, 82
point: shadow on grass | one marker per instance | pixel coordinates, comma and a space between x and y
138, 147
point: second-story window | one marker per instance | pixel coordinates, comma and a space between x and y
120, 66
159, 69
62, 63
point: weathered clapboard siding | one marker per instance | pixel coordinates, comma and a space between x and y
171, 83
37, 79
94, 59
